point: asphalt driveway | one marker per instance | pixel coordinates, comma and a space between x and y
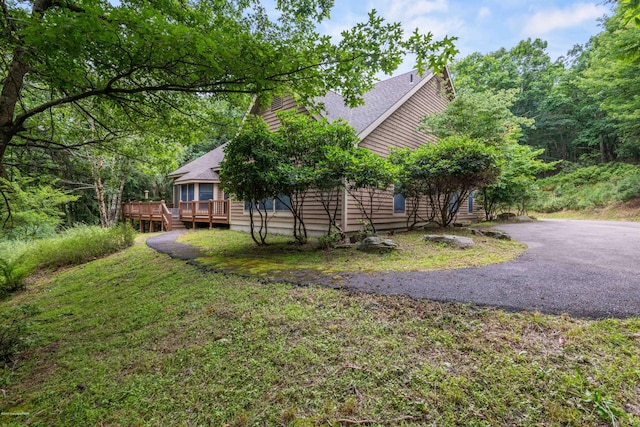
584, 268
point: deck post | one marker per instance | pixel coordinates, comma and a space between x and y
210, 214
150, 226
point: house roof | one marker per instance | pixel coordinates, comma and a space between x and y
201, 169
381, 101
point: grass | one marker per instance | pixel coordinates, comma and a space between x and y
137, 339
235, 251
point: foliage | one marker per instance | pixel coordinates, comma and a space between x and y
32, 209
612, 78
368, 177
301, 144
138, 59
516, 185
15, 331
588, 187
412, 187
483, 116
248, 172
13, 274
447, 172
74, 246
138, 337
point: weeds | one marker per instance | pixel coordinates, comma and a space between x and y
589, 187
13, 274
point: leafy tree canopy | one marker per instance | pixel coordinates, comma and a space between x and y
141, 57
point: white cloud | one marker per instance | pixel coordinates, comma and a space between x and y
402, 10
574, 15
483, 13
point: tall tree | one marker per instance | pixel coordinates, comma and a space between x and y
612, 78
137, 55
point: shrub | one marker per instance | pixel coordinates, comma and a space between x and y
79, 245
589, 187
74, 246
13, 273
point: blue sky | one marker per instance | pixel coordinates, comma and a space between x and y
481, 25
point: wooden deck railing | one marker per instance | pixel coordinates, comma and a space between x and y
148, 211
209, 211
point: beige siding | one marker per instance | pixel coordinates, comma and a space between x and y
281, 222
269, 114
400, 130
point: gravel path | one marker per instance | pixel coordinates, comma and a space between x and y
584, 268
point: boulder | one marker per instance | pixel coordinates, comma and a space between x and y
506, 216
457, 241
377, 244
523, 218
497, 234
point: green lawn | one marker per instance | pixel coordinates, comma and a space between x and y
235, 251
140, 339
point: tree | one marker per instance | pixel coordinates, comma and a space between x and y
246, 173
141, 56
612, 78
528, 71
37, 208
303, 169
450, 170
516, 184
367, 176
483, 116
411, 187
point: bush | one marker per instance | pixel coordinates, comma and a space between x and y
589, 187
13, 273
15, 325
80, 245
72, 247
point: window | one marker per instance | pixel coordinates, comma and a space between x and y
186, 192
283, 205
271, 204
205, 192
265, 205
470, 201
276, 104
453, 204
399, 203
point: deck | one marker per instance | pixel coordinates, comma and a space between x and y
205, 211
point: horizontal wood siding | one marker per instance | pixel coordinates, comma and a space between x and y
281, 222
400, 130
272, 119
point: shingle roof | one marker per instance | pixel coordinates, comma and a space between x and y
377, 101
201, 169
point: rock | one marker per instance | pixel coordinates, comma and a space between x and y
476, 232
523, 218
457, 241
506, 216
377, 244
497, 234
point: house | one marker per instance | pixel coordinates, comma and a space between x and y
389, 118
